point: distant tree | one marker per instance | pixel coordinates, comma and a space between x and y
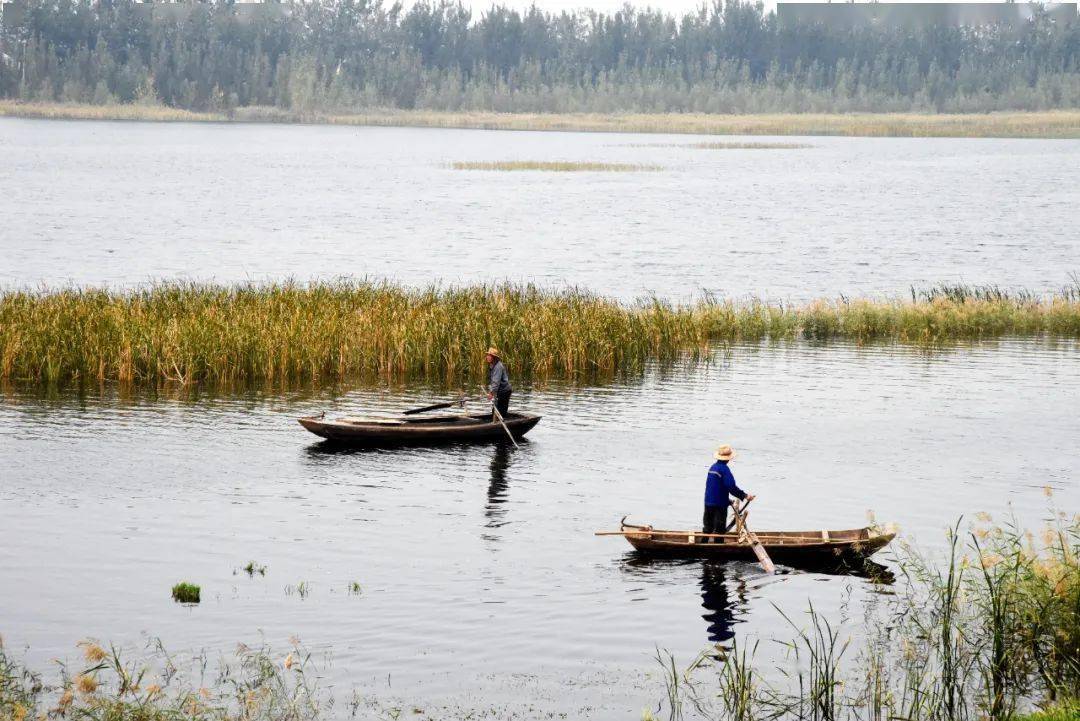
348, 54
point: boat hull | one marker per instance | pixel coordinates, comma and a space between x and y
454, 429
791, 548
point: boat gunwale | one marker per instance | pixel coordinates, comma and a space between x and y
864, 541
766, 537
411, 426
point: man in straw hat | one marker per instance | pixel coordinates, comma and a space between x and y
498, 382
719, 488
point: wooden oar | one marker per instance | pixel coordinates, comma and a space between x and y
436, 407
741, 510
498, 415
751, 537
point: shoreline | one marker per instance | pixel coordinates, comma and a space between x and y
1054, 124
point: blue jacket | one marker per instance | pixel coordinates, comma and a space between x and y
720, 485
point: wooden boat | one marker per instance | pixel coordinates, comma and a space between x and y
792, 548
374, 432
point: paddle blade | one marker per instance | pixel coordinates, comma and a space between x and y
763, 556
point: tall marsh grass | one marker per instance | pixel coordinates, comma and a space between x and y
1019, 124
288, 332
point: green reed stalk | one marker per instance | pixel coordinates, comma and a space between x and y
738, 687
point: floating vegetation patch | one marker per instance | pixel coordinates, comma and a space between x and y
185, 592
354, 588
302, 589
749, 145
253, 568
726, 145
555, 166
186, 333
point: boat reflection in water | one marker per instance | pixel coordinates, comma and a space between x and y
727, 588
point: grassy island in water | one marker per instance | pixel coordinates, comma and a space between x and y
331, 331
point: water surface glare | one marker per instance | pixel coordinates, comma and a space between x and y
483, 586
124, 203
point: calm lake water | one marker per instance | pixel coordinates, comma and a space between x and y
484, 590
121, 203
483, 586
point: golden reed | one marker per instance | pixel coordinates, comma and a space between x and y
284, 332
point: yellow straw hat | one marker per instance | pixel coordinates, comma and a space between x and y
494, 351
725, 453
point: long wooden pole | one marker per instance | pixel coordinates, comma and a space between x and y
435, 407
755, 544
498, 415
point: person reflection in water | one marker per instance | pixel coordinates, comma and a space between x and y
497, 485
714, 599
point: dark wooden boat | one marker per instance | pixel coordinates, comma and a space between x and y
431, 430
792, 548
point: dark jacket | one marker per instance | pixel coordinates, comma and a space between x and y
498, 380
720, 485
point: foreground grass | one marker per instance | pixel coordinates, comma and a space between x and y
981, 635
254, 686
1049, 124
1069, 711
331, 331
554, 166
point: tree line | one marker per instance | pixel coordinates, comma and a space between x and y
347, 55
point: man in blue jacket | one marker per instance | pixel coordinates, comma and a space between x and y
719, 487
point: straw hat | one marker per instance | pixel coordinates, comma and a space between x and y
725, 453
494, 351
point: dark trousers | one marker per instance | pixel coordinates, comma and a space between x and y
502, 403
715, 520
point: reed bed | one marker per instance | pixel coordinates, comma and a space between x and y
556, 166
1045, 124
327, 332
115, 111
